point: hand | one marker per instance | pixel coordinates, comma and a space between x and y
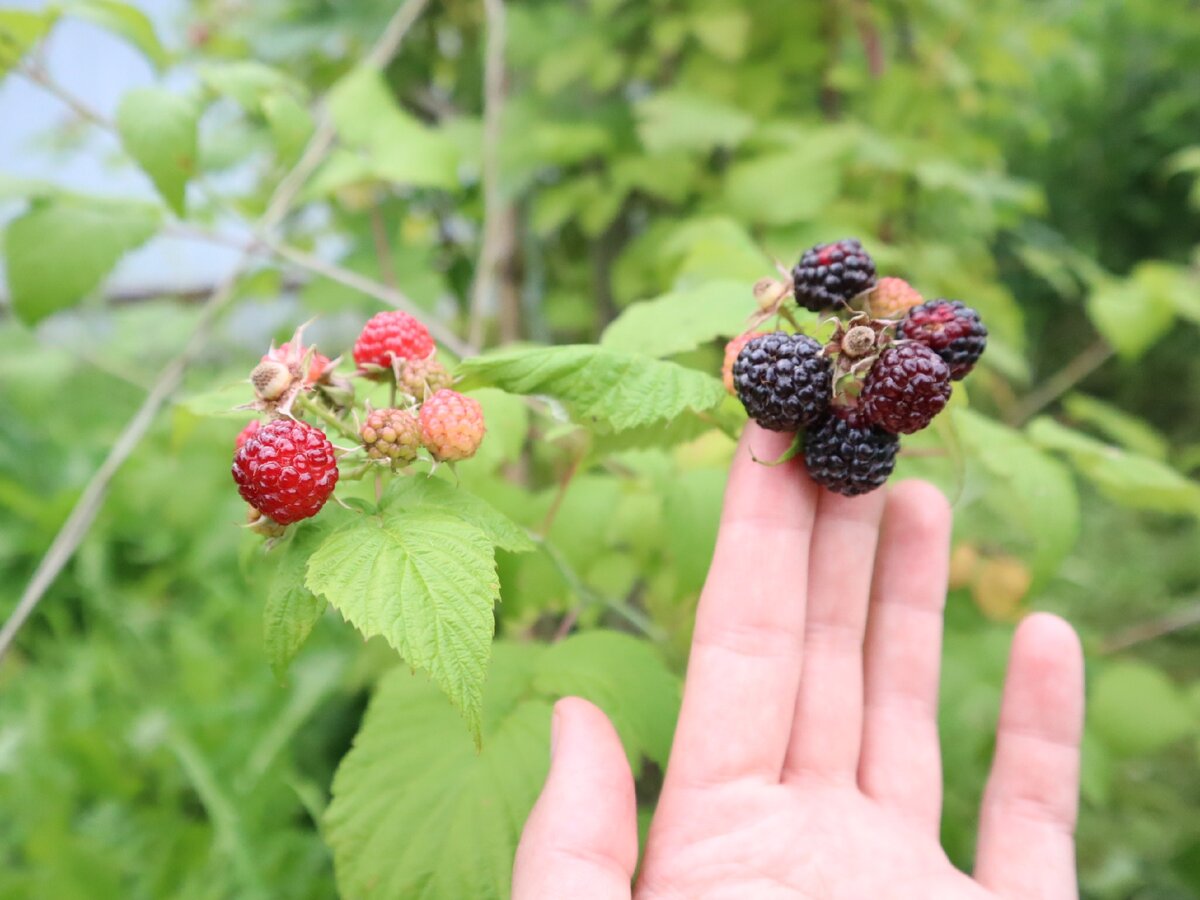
806, 761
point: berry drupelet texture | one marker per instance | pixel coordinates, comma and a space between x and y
907, 386
421, 378
389, 336
393, 435
286, 470
848, 455
893, 297
832, 274
452, 426
732, 350
951, 329
783, 380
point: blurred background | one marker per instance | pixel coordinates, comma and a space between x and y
1039, 160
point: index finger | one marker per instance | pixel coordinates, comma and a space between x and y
744, 668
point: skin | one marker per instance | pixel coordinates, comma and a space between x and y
806, 760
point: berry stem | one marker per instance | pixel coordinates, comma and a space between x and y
308, 406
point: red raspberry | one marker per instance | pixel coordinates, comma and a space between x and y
732, 349
248, 432
907, 386
287, 470
451, 426
392, 434
421, 378
893, 297
389, 336
950, 329
285, 354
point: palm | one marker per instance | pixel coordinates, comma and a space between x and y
806, 761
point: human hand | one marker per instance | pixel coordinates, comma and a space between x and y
806, 761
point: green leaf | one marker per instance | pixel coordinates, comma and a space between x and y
248, 82
19, 32
63, 247
158, 129
1128, 478
616, 390
1130, 317
1129, 431
678, 120
1136, 710
221, 402
291, 610
813, 182
127, 21
714, 248
397, 147
1034, 488
626, 678
421, 492
426, 581
290, 122
724, 32
681, 320
417, 813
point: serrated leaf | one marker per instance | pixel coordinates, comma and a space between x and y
421, 492
615, 390
19, 32
1035, 488
1128, 478
127, 21
627, 679
417, 813
158, 129
681, 320
291, 609
424, 580
63, 247
679, 120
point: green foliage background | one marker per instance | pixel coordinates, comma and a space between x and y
1037, 159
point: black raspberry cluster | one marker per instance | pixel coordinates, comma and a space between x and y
886, 371
286, 467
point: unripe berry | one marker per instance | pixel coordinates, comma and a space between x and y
452, 426
393, 435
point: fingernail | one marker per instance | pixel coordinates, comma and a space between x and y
554, 718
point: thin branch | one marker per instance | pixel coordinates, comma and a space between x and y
1178, 620
86, 508
1079, 368
495, 223
37, 74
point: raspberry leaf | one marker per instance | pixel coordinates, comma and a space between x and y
92, 234
417, 812
20, 31
614, 390
291, 610
426, 581
158, 129
681, 320
407, 494
127, 21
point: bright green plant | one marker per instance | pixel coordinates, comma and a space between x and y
581, 233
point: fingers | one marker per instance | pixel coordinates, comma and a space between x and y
744, 666
581, 839
900, 764
1026, 838
828, 722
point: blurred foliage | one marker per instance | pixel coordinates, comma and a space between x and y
1039, 160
